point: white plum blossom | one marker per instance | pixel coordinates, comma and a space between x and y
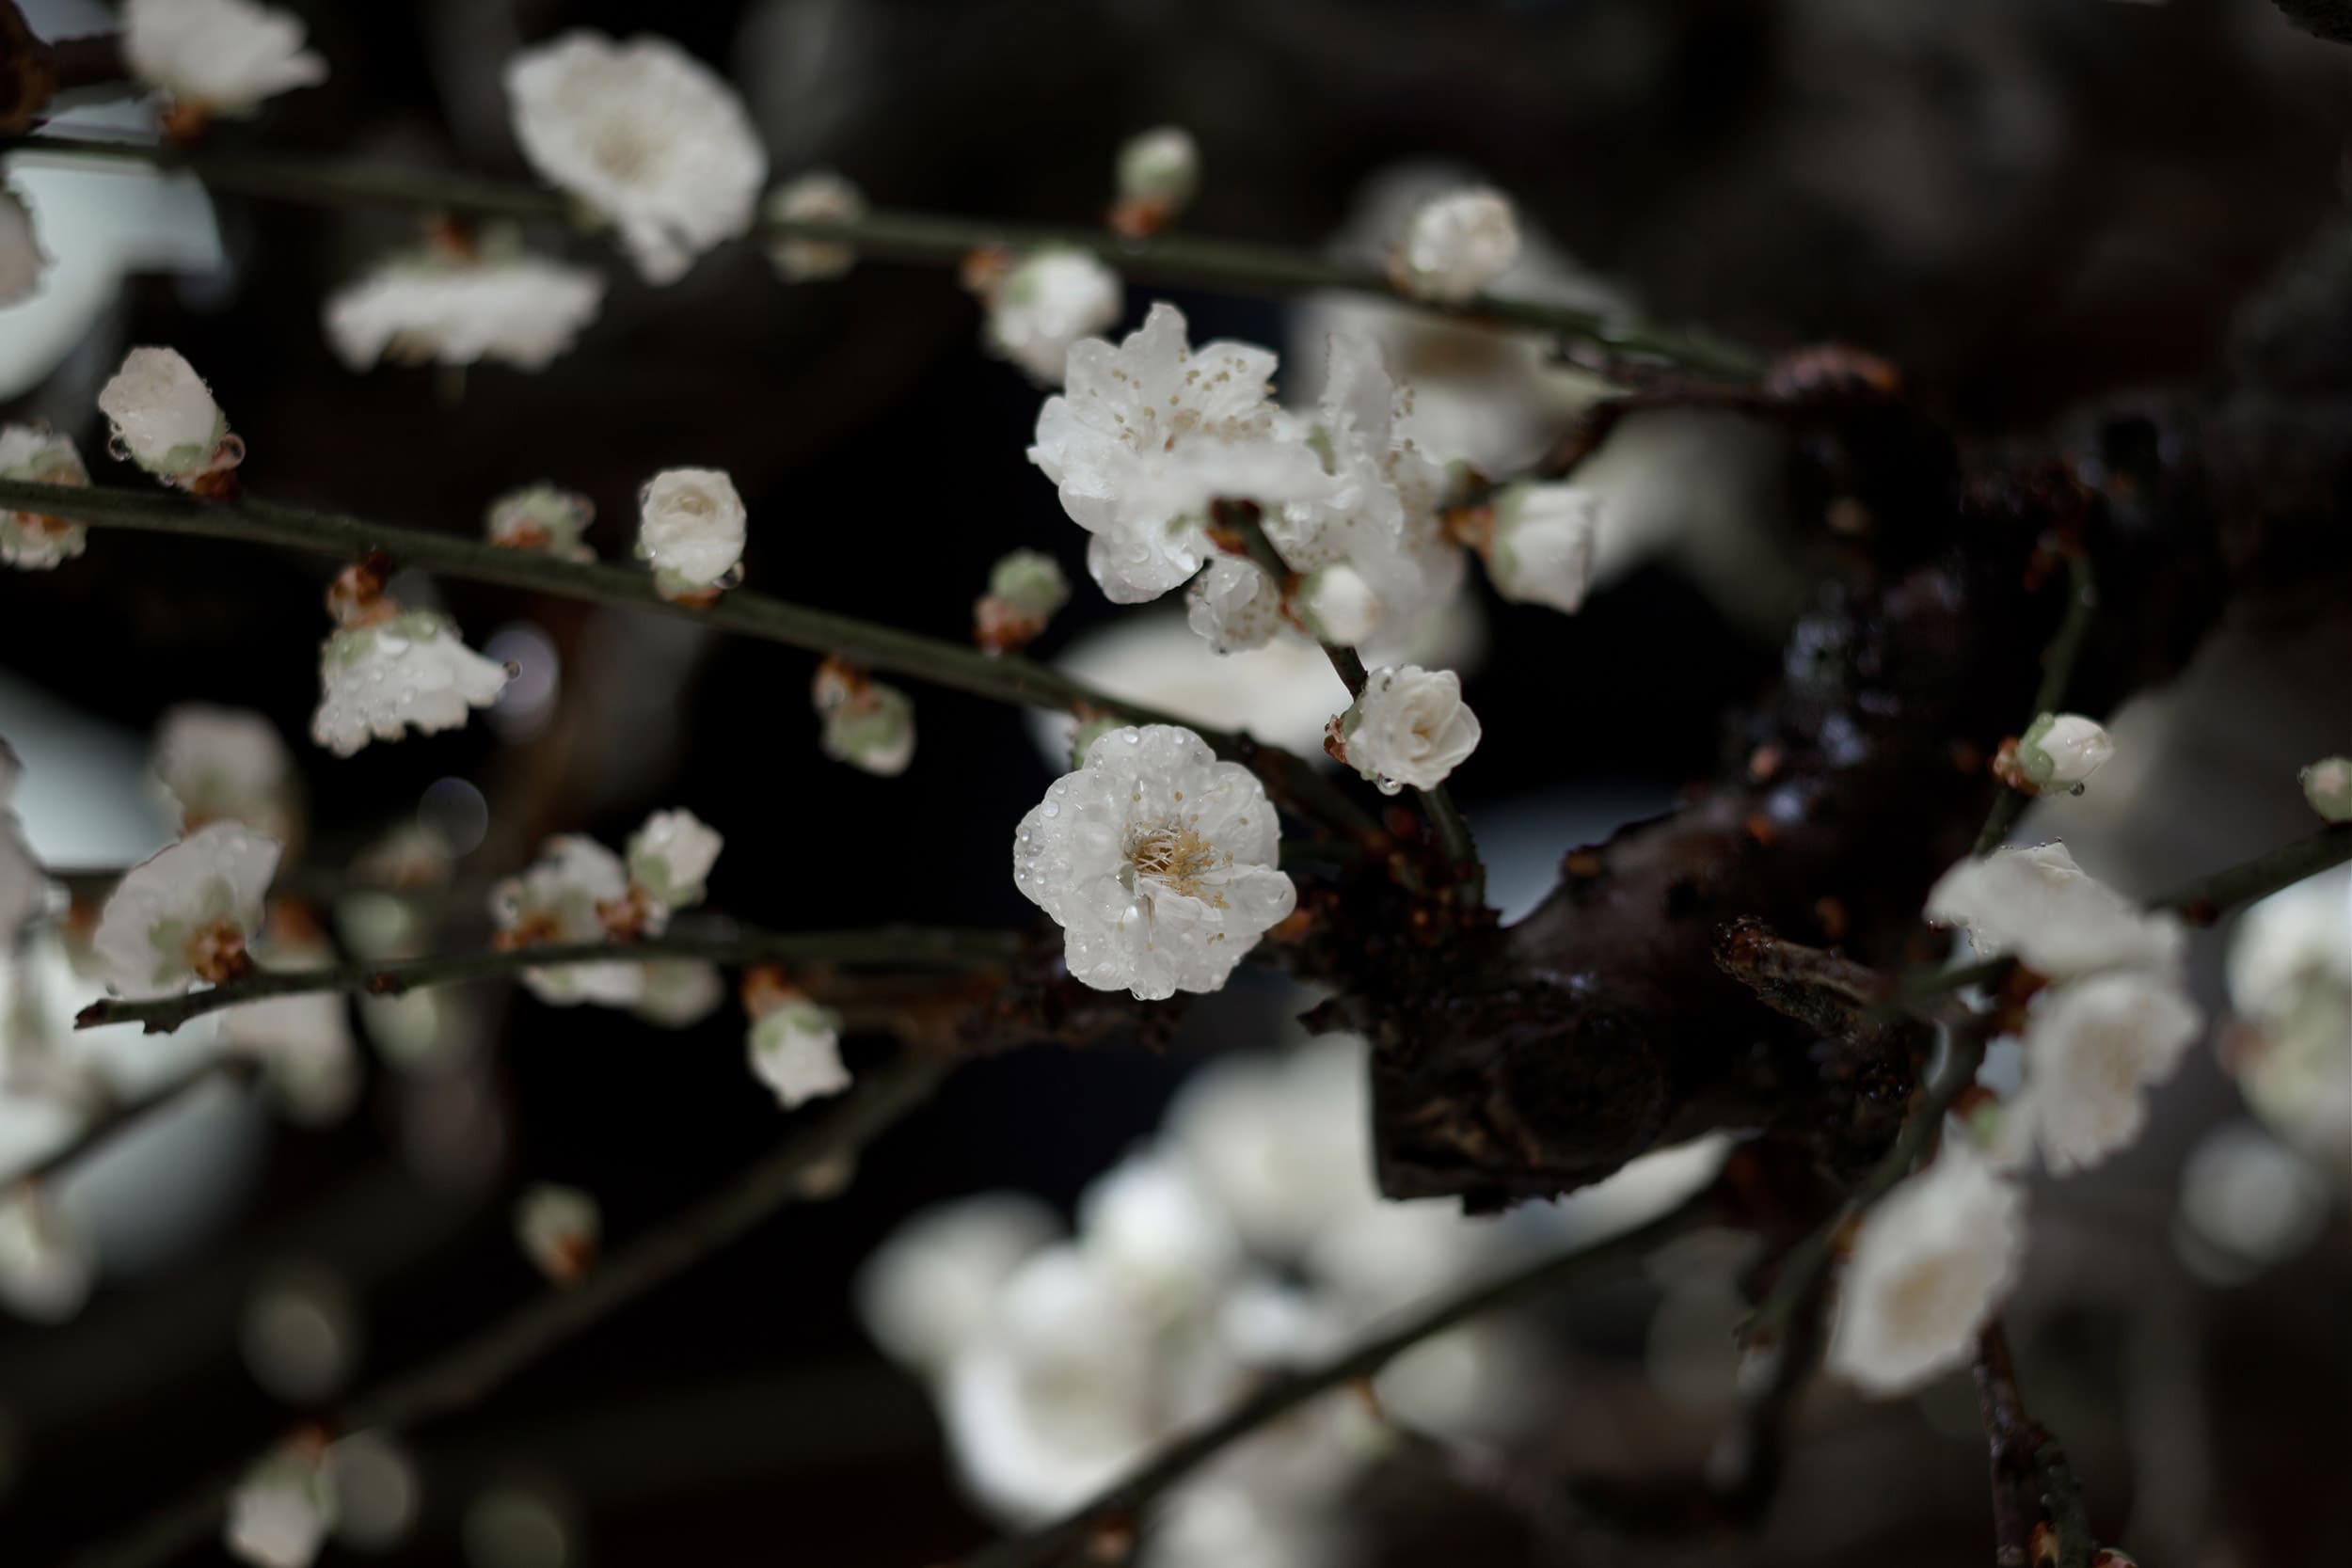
281, 1512
2290, 976
820, 195
1542, 546
1151, 1221
226, 764
691, 528
429, 308
1456, 244
2327, 785
1378, 511
1159, 174
557, 1227
1283, 1141
561, 899
2037, 904
644, 134
866, 724
1930, 1265
1233, 605
796, 1050
1337, 605
1046, 304
671, 855
47, 1266
2092, 1047
164, 420
410, 672
680, 992
542, 518
927, 1290
1410, 726
187, 913
1158, 861
218, 57
20, 257
28, 540
1149, 433
2063, 749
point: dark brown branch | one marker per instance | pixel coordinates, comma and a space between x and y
475, 1368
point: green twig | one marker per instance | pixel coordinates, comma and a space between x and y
902, 945
919, 238
1126, 1497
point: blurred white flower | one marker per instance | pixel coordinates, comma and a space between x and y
187, 913
2094, 1047
680, 992
225, 765
1233, 605
1455, 245
1047, 303
218, 57
1410, 726
304, 1042
411, 672
646, 135
279, 1513
1158, 861
376, 1491
2327, 785
46, 1266
672, 855
20, 258
2063, 749
931, 1285
2290, 976
2058, 920
561, 899
820, 196
28, 540
425, 308
1541, 550
557, 1227
1149, 433
1379, 513
866, 723
1154, 1225
1930, 1265
691, 528
1159, 174
2248, 1200
542, 518
796, 1050
24, 888
1283, 1141
164, 420
1336, 604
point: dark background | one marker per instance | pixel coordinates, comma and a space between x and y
2024, 202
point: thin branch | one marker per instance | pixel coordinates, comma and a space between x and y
2057, 670
1454, 834
2010, 1439
120, 1116
1009, 679
908, 945
919, 238
471, 1370
1124, 1499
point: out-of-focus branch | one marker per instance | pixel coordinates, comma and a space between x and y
120, 1116
2029, 1471
471, 1370
900, 945
1124, 1499
922, 239
1293, 782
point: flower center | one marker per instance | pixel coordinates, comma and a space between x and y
217, 952
1176, 857
621, 149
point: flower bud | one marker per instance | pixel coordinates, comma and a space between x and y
2327, 785
2063, 749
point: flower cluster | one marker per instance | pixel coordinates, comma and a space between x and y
385, 670
1158, 861
29, 541
578, 890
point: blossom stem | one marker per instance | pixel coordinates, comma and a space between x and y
1445, 818
2057, 670
470, 1370
921, 239
865, 643
1126, 1497
2025, 1461
120, 1116
901, 945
